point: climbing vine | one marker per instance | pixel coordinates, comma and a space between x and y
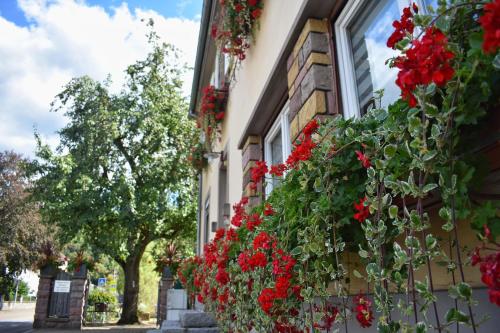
363, 191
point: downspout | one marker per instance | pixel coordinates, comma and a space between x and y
198, 217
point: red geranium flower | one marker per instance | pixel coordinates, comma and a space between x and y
262, 241
253, 3
278, 170
266, 300
365, 161
257, 260
363, 310
268, 209
239, 212
256, 13
258, 171
310, 128
490, 21
282, 286
362, 211
403, 27
238, 7
254, 221
243, 261
427, 61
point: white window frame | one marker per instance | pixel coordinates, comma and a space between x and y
281, 123
348, 87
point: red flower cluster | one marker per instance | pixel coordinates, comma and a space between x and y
259, 171
365, 161
490, 21
362, 211
364, 313
258, 259
253, 221
302, 150
268, 209
213, 102
262, 241
237, 21
490, 273
329, 313
428, 60
278, 170
403, 28
266, 299
239, 212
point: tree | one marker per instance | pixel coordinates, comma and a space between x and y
120, 177
21, 232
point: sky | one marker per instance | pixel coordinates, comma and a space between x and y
45, 43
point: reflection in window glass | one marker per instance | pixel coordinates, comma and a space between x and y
368, 36
276, 153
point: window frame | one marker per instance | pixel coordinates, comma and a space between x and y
347, 73
281, 123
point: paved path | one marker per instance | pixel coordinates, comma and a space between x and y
16, 320
21, 321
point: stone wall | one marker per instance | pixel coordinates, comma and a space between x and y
310, 76
252, 152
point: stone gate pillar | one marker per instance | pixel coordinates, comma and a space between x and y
166, 282
77, 301
66, 311
42, 299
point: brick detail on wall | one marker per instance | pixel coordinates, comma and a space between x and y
310, 76
252, 152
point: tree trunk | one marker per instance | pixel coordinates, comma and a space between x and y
131, 290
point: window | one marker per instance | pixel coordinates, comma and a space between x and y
277, 144
361, 33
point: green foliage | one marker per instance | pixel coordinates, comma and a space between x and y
120, 177
98, 295
21, 233
419, 154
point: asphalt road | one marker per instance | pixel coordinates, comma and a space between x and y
16, 320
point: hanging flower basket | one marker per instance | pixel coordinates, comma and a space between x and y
212, 113
197, 157
234, 32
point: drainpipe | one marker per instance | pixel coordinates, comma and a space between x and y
198, 216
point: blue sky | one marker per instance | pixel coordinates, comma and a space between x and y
191, 9
46, 43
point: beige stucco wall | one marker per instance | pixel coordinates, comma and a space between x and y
276, 23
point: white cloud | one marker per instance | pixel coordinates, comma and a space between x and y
65, 39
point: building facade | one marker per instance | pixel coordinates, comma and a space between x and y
310, 59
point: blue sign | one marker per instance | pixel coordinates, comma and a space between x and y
101, 282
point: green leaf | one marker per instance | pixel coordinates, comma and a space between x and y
476, 40
393, 211
297, 251
357, 274
454, 315
430, 241
363, 254
421, 327
390, 151
429, 187
496, 61
464, 290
